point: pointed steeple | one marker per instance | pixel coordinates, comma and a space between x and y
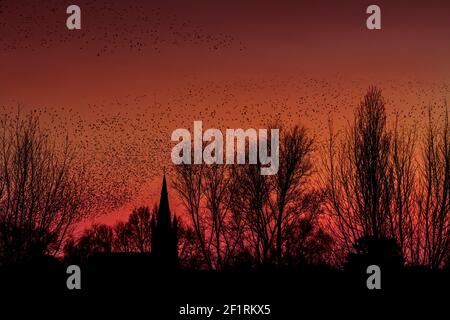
164, 209
165, 232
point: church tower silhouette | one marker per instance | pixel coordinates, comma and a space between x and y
164, 232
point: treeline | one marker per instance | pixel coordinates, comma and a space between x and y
133, 235
374, 193
382, 193
235, 217
391, 184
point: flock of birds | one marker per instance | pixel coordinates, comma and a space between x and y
127, 142
126, 139
106, 28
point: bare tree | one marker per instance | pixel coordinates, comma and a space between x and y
139, 224
403, 216
207, 192
188, 184
224, 232
122, 236
307, 241
135, 234
434, 195
289, 183
271, 205
251, 203
188, 249
96, 239
41, 189
376, 189
359, 175
234, 208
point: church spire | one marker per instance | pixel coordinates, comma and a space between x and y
165, 232
164, 209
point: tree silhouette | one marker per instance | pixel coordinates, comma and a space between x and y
403, 215
122, 238
434, 195
188, 249
271, 206
360, 176
290, 182
154, 233
96, 239
379, 204
307, 242
42, 193
369, 250
379, 190
235, 211
217, 189
135, 234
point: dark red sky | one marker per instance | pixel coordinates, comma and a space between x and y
139, 69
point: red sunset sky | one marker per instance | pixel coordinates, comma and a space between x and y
140, 69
